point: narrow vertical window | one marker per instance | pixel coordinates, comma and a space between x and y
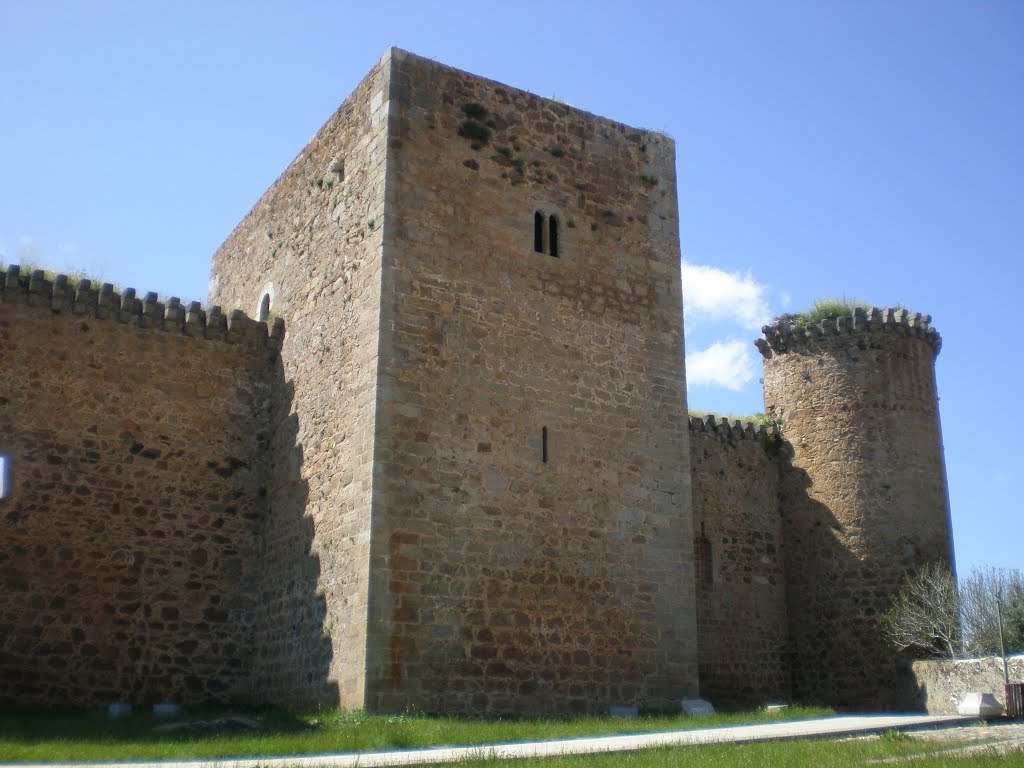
538, 232
703, 567
5, 477
553, 235
544, 444
264, 312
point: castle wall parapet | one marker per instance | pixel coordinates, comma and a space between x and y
785, 335
135, 457
82, 298
724, 429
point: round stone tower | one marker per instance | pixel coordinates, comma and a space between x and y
864, 499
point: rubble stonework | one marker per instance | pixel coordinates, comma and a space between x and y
942, 683
136, 434
865, 501
464, 480
742, 619
502, 575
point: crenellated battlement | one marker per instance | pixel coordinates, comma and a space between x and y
723, 429
785, 335
81, 298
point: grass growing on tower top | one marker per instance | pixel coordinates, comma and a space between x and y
829, 309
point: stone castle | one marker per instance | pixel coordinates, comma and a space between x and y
449, 466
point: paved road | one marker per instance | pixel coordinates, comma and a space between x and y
846, 725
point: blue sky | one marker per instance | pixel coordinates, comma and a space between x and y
866, 149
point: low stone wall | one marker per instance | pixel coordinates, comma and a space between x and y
941, 683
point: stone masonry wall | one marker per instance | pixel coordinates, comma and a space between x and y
134, 432
942, 683
742, 617
312, 244
502, 582
865, 498
461, 482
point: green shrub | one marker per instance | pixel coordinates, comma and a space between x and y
474, 131
473, 110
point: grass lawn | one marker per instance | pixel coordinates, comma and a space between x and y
83, 736
883, 751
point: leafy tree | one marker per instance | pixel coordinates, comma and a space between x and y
933, 616
1013, 617
978, 609
925, 614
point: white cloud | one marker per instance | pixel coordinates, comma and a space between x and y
720, 295
29, 251
728, 364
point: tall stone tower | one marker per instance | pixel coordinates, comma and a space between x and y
483, 433
865, 500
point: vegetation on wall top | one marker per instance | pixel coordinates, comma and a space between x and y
824, 309
26, 268
757, 419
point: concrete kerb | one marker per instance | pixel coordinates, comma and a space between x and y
843, 725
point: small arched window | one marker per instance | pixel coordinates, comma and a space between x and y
6, 487
545, 233
266, 302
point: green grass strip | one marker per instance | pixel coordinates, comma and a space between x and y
91, 736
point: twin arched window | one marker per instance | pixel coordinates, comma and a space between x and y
545, 233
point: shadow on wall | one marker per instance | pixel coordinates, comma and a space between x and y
293, 645
744, 648
835, 600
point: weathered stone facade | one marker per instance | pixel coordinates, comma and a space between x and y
942, 683
866, 501
528, 531
742, 618
464, 480
313, 245
807, 532
136, 436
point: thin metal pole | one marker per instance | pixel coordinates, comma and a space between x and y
1002, 648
